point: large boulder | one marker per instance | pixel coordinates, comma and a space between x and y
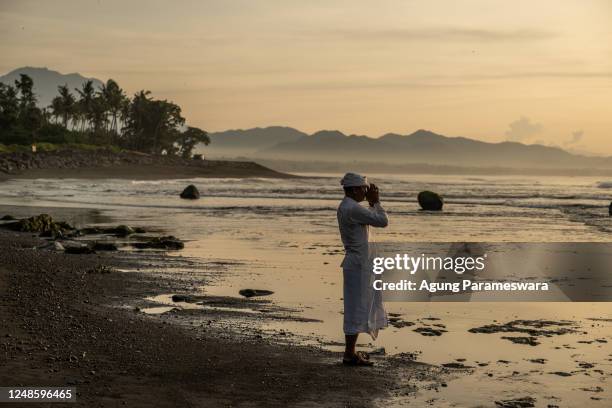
190, 192
42, 224
430, 201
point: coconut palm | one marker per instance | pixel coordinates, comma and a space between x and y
84, 107
63, 106
115, 100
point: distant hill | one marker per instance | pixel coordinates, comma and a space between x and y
421, 146
247, 142
46, 82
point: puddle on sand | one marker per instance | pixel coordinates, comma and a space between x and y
157, 310
171, 304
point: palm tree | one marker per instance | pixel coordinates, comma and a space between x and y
115, 100
63, 106
86, 96
68, 104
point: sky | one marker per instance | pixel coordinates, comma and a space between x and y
528, 71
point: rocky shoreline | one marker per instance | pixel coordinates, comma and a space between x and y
101, 162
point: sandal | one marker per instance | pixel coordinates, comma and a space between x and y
363, 355
357, 360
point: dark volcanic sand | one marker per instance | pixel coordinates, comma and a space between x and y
58, 329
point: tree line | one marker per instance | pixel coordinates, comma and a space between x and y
103, 116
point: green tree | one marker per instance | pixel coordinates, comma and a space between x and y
188, 139
64, 105
115, 102
85, 103
30, 116
9, 107
152, 126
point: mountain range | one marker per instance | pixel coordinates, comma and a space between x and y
46, 82
422, 146
289, 145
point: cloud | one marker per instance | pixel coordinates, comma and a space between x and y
522, 130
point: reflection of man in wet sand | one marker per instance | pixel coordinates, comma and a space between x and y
363, 308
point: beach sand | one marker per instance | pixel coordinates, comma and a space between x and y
64, 324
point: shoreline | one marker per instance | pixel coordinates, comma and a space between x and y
67, 324
105, 163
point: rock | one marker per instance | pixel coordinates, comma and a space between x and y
428, 331
561, 373
529, 327
58, 247
120, 230
190, 192
255, 292
181, 298
524, 402
91, 230
100, 269
104, 246
42, 224
8, 218
399, 323
168, 242
456, 365
538, 360
531, 341
79, 250
430, 201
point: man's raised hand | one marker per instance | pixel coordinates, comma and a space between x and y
372, 194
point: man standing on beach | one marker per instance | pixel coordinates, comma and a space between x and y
363, 307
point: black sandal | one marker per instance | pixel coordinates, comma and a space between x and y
357, 360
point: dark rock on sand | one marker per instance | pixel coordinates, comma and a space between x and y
524, 402
530, 327
79, 250
190, 192
538, 360
120, 230
428, 331
7, 218
42, 224
398, 323
531, 341
456, 365
561, 373
167, 242
181, 298
100, 269
255, 292
104, 246
430, 201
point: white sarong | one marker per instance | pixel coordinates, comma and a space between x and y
363, 307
